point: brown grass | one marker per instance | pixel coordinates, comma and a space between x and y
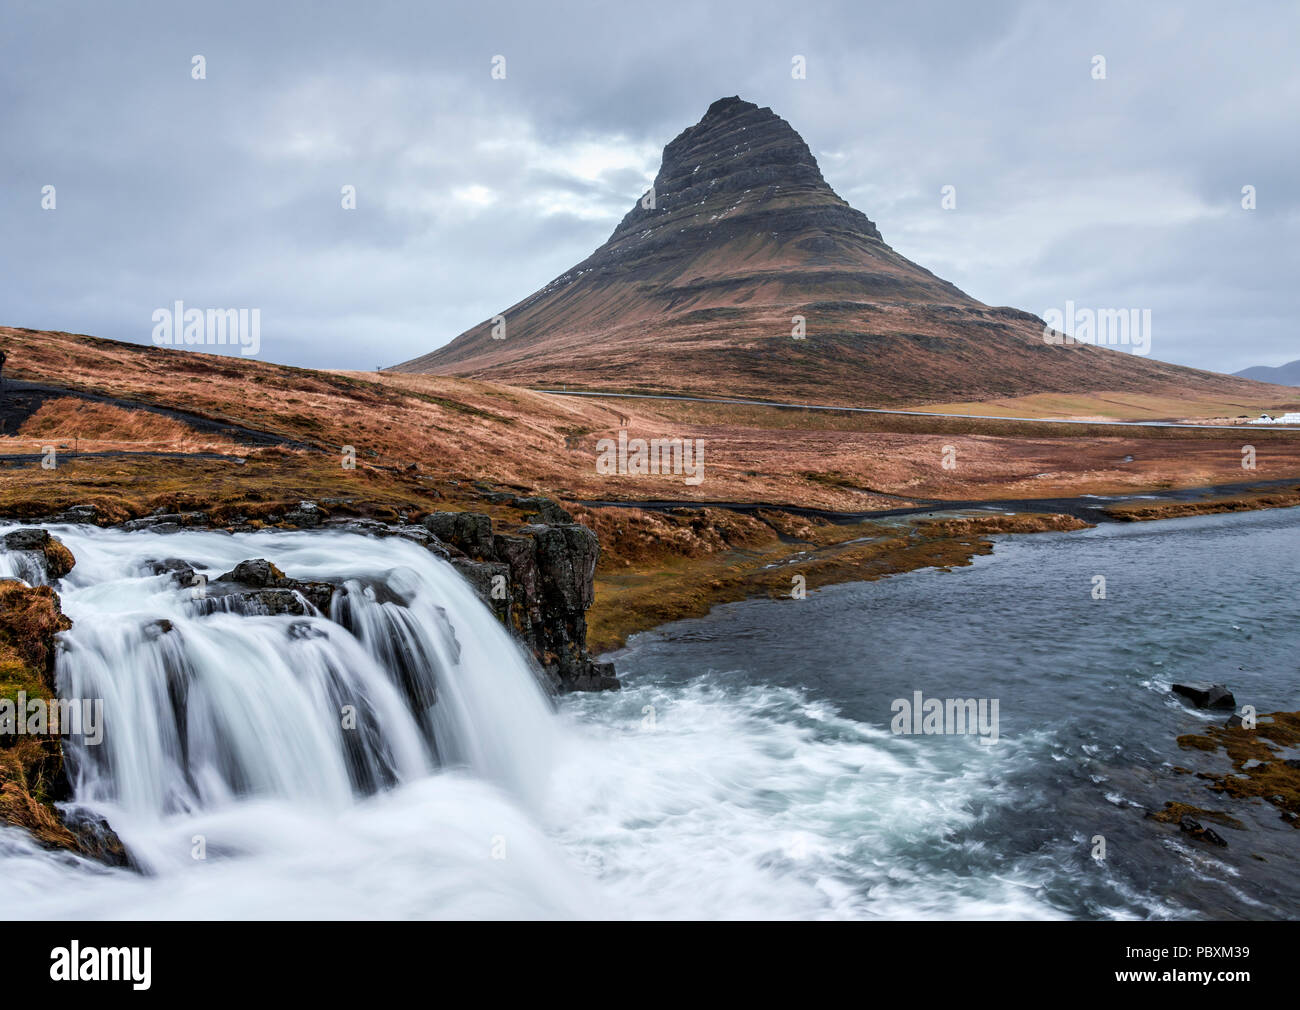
102, 425
461, 431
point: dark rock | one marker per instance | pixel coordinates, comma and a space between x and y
520, 557
255, 572
552, 584
42, 558
168, 565
26, 540
94, 837
566, 559
1196, 830
471, 532
305, 515
360, 526
596, 677
484, 577
543, 510
409, 531
188, 578
77, 515
1206, 695
301, 631
156, 629
273, 592
166, 522
153, 522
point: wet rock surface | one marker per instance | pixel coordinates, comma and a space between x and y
1261, 764
1214, 696
32, 773
548, 586
42, 559
257, 586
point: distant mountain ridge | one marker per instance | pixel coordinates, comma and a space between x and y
740, 245
1279, 375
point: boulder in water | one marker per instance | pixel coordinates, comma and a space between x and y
44, 556
255, 572
272, 592
306, 515
406, 531
166, 522
1201, 833
1206, 695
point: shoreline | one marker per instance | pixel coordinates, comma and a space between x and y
763, 548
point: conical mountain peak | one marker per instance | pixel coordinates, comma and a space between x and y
738, 159
741, 272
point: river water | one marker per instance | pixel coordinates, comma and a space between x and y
747, 770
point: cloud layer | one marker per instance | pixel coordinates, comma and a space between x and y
471, 192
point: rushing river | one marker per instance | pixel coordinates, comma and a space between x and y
747, 769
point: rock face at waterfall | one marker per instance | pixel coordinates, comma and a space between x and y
32, 771
540, 581
548, 565
703, 288
40, 558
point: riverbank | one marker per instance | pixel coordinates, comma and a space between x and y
666, 561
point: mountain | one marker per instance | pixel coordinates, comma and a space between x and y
1282, 375
698, 288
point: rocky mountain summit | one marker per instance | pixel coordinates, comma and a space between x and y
741, 272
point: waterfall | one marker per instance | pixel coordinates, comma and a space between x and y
208, 701
18, 565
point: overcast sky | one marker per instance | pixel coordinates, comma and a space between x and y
473, 192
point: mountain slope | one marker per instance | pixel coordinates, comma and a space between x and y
1281, 375
697, 291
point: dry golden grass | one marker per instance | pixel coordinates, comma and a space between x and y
1128, 406
98, 426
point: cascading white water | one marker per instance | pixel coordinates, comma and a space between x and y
202, 705
17, 565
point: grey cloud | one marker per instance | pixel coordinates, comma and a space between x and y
226, 191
